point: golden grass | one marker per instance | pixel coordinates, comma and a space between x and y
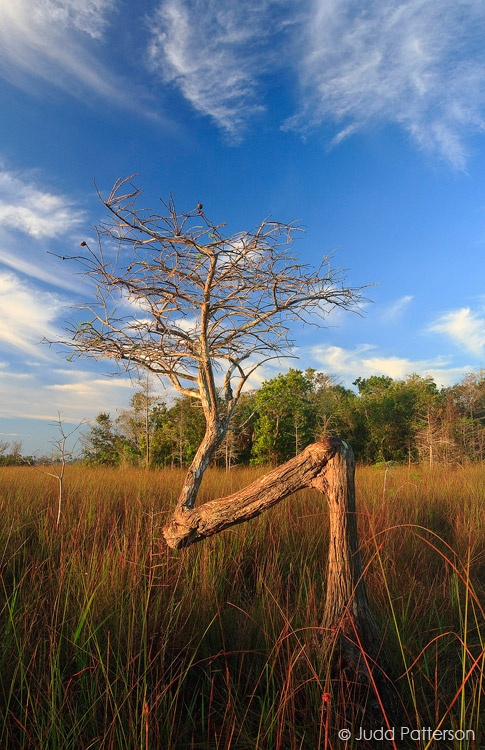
110, 640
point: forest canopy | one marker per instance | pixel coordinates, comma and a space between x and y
384, 419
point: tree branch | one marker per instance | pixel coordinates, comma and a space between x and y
306, 469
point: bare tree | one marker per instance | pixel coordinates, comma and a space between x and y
62, 454
204, 310
177, 296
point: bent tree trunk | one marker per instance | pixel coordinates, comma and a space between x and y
348, 625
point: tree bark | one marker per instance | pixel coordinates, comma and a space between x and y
189, 525
348, 627
328, 466
212, 439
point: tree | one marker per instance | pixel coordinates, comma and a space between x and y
14, 455
194, 302
195, 305
140, 422
101, 445
62, 454
387, 408
238, 442
285, 418
187, 428
333, 406
469, 400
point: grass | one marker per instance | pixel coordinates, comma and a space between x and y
112, 641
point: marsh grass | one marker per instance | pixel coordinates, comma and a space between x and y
112, 641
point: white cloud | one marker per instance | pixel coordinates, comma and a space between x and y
84, 396
33, 211
464, 327
350, 364
76, 393
417, 64
90, 16
42, 267
26, 316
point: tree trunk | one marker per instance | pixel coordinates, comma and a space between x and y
328, 466
348, 626
212, 439
349, 631
192, 524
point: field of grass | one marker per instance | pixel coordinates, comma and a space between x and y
112, 641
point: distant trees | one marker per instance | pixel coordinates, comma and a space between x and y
468, 404
11, 453
102, 445
408, 420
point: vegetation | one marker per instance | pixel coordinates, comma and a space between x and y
408, 420
110, 641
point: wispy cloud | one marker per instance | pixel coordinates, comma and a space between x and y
57, 41
32, 220
414, 63
33, 211
464, 327
77, 394
41, 266
396, 309
27, 315
364, 361
216, 54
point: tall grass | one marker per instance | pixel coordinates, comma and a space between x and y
112, 641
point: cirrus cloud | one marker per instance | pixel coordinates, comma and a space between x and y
59, 42
27, 315
416, 64
216, 54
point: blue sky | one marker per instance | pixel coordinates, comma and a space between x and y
363, 120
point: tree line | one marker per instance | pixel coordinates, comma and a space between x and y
384, 419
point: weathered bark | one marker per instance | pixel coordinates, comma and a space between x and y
346, 601
212, 439
349, 629
328, 466
192, 525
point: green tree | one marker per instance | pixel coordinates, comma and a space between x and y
386, 412
285, 418
432, 439
102, 445
140, 423
187, 427
333, 406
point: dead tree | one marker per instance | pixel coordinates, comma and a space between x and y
177, 296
